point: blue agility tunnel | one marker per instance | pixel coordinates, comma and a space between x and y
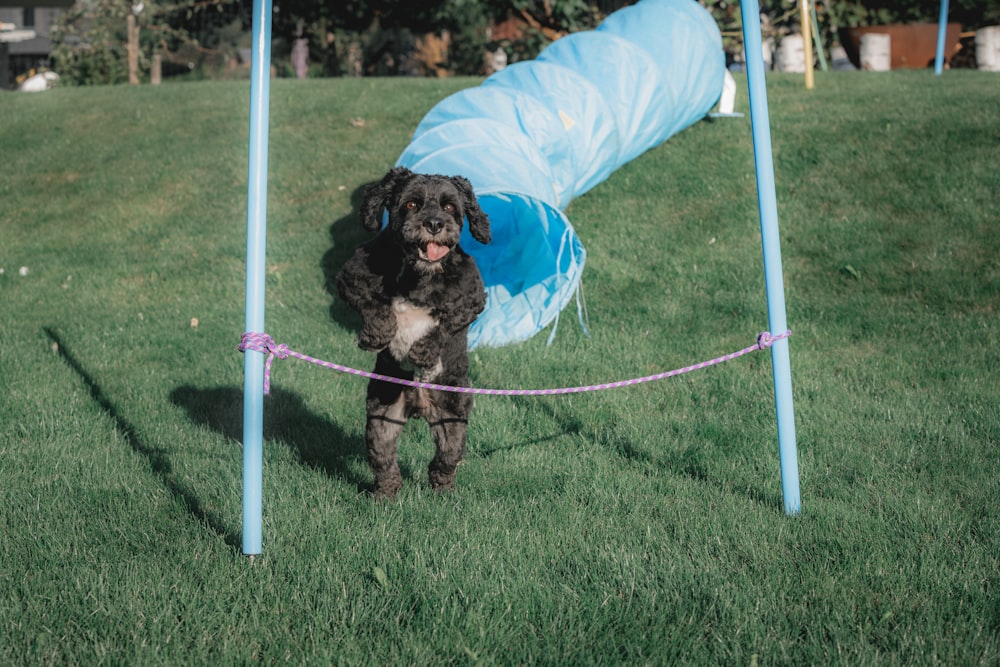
537, 134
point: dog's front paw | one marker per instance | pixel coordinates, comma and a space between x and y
374, 340
424, 355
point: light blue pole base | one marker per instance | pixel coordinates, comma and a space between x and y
767, 204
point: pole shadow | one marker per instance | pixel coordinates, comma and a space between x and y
684, 461
318, 442
159, 461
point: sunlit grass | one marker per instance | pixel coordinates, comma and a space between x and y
641, 525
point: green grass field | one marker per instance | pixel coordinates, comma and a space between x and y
635, 526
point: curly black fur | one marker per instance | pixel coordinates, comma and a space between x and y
417, 293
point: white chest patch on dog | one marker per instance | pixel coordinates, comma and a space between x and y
412, 324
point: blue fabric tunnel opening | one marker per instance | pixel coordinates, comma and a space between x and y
537, 134
531, 268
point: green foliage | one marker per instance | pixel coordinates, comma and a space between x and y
377, 38
561, 15
203, 39
89, 43
468, 22
89, 39
637, 526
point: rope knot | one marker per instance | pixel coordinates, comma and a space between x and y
261, 342
254, 341
766, 339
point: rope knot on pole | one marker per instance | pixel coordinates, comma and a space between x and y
263, 343
765, 340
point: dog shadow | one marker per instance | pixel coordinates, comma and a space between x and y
346, 234
318, 442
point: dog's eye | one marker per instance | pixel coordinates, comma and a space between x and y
411, 205
450, 208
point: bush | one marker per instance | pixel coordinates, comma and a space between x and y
89, 44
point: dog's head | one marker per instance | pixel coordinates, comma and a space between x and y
425, 214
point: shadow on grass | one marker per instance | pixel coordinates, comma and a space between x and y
318, 442
566, 424
692, 461
159, 462
346, 234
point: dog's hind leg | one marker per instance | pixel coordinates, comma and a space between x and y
449, 433
385, 424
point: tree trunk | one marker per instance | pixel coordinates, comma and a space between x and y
133, 50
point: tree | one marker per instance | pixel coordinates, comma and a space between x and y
90, 39
357, 37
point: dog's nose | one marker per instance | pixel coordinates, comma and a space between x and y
433, 225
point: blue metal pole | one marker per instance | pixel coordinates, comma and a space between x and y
767, 204
253, 362
942, 30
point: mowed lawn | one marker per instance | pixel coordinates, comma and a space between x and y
635, 526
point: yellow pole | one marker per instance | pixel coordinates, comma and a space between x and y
807, 42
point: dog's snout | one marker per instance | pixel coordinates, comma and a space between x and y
433, 225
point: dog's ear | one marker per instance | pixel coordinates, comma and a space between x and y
479, 222
378, 195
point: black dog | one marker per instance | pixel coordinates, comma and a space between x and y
417, 293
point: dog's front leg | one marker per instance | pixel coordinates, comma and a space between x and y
362, 286
425, 353
378, 328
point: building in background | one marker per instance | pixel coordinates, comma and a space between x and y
25, 26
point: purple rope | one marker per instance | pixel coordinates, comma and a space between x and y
261, 342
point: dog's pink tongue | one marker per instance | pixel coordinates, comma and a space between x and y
436, 251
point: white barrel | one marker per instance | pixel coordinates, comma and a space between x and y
790, 56
988, 48
766, 52
876, 52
